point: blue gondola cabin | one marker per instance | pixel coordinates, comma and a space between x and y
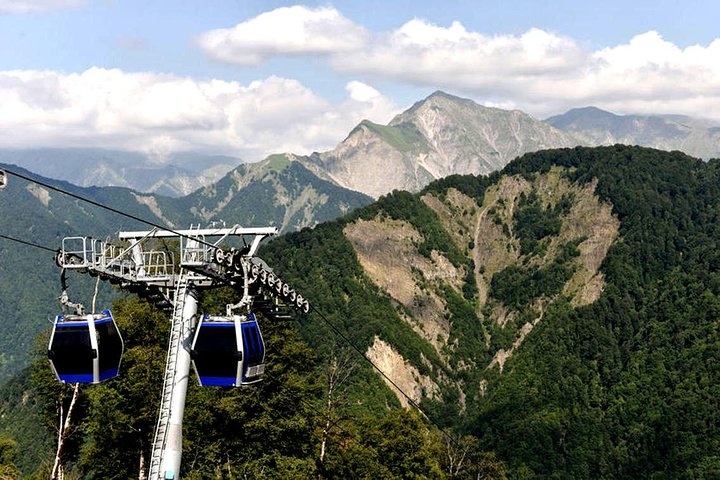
85, 348
228, 351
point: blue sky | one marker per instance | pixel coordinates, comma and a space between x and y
254, 77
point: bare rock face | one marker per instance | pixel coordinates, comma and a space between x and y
486, 233
403, 374
387, 251
588, 221
465, 137
376, 159
436, 137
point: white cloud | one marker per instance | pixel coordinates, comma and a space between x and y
538, 71
544, 73
424, 54
361, 92
30, 6
366, 102
296, 30
159, 114
424, 47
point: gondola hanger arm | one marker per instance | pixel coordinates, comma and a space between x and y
64, 299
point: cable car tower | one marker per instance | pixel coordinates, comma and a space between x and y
153, 274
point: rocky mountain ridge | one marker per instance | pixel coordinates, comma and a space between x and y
593, 126
436, 137
445, 135
276, 191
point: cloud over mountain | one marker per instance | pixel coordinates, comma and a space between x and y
541, 72
538, 71
159, 113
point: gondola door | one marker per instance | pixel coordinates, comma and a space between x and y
254, 362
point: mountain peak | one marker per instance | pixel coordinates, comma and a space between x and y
589, 110
586, 114
441, 94
438, 96
436, 137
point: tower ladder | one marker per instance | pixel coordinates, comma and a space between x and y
175, 343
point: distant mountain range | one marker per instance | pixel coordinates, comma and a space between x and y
444, 135
592, 126
438, 136
178, 175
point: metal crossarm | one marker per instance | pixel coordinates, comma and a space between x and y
118, 264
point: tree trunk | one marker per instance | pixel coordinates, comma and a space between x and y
339, 370
63, 431
141, 475
325, 435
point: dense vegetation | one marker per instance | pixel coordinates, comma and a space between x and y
272, 430
625, 387
533, 222
404, 137
517, 287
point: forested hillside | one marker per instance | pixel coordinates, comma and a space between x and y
559, 317
612, 376
625, 387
